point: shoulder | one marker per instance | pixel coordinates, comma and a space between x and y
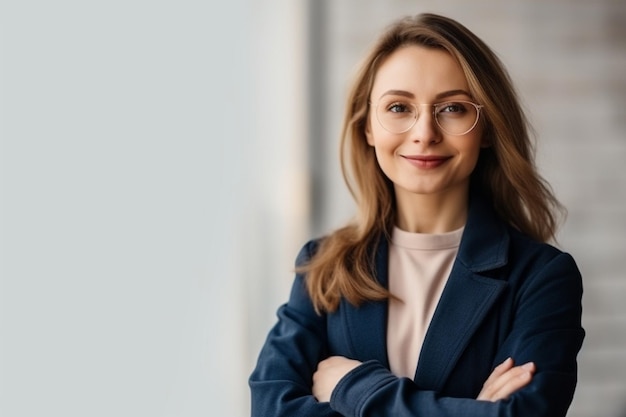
533, 263
523, 246
300, 298
308, 250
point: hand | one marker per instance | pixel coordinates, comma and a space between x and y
329, 372
505, 380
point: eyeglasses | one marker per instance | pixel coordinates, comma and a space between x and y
453, 117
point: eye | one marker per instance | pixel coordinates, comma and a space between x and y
398, 108
451, 108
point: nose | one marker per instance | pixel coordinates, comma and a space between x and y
425, 129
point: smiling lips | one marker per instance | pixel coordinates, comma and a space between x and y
426, 161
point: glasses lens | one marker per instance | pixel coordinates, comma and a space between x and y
456, 117
396, 116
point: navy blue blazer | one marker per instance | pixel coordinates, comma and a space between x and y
507, 296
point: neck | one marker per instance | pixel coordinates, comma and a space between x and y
431, 213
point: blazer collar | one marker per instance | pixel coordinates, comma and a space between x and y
485, 242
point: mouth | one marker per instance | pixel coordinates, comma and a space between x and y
426, 161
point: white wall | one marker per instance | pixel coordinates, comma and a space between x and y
144, 152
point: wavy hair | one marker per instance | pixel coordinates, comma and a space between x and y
505, 172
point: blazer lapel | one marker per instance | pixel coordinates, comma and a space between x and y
464, 303
366, 325
467, 296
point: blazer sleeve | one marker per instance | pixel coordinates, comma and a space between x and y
281, 383
546, 329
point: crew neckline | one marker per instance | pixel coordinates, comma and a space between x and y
426, 241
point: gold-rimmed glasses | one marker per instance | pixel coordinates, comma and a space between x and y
454, 117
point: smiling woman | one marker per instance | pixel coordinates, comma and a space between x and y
442, 297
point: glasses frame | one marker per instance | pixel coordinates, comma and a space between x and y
434, 105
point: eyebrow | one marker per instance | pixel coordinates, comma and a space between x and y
439, 96
452, 93
397, 93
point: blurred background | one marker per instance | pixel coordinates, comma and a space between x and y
163, 162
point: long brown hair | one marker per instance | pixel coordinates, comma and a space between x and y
505, 173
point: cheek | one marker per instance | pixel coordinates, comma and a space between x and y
472, 154
474, 143
385, 166
469, 150
473, 158
385, 157
380, 138
384, 146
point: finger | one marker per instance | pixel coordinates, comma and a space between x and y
504, 366
319, 388
515, 381
494, 381
507, 383
500, 377
326, 363
510, 377
499, 371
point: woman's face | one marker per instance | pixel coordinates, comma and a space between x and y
424, 159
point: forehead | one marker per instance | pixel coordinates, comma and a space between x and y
421, 71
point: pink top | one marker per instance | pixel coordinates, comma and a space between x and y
419, 266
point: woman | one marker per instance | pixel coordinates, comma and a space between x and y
442, 298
